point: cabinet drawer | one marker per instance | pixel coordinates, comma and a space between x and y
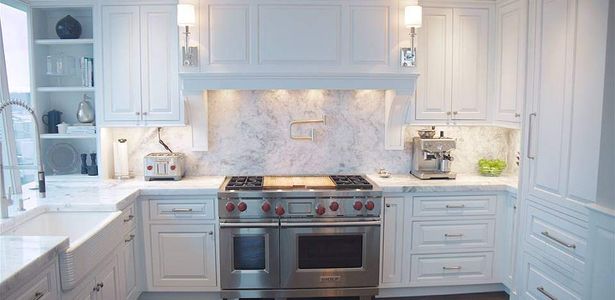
450, 235
450, 269
544, 282
129, 215
41, 288
424, 206
558, 236
198, 209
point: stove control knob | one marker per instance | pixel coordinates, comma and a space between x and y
266, 207
279, 210
358, 205
320, 210
334, 206
242, 206
173, 167
149, 168
370, 205
230, 206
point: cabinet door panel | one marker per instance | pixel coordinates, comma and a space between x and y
108, 278
511, 49
549, 132
128, 267
183, 255
160, 63
470, 63
121, 65
392, 241
435, 57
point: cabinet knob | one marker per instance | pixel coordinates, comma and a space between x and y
517, 115
448, 113
137, 113
455, 112
211, 233
145, 113
387, 205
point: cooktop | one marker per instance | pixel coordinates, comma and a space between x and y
256, 183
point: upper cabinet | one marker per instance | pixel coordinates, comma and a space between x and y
140, 66
510, 60
453, 60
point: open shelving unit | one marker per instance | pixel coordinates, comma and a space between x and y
64, 92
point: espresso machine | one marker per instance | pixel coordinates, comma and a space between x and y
432, 158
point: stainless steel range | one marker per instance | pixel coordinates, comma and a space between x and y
299, 237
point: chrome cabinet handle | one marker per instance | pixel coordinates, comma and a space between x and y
451, 268
130, 217
130, 238
455, 206
530, 129
182, 210
517, 115
137, 113
387, 205
546, 233
100, 284
455, 112
453, 234
96, 289
38, 295
145, 113
211, 233
547, 294
448, 113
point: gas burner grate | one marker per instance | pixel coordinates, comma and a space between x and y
245, 183
351, 182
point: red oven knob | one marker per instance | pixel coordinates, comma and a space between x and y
320, 210
149, 168
230, 206
370, 205
358, 205
279, 210
334, 206
173, 167
242, 206
266, 207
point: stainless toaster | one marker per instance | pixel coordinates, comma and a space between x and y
163, 165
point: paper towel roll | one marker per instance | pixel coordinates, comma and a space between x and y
120, 153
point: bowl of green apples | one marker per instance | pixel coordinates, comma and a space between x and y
491, 167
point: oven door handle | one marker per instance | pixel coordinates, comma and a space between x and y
331, 224
248, 225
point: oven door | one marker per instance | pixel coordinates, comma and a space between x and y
249, 255
330, 254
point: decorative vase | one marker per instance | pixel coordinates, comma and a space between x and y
93, 169
85, 113
68, 28
84, 163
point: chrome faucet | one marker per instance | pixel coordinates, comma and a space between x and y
4, 202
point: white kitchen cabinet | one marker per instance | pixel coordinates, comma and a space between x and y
392, 241
183, 255
511, 48
104, 284
128, 269
140, 66
508, 247
453, 49
44, 286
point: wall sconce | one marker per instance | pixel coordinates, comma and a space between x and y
186, 17
413, 18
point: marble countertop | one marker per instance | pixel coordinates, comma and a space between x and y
23, 257
407, 183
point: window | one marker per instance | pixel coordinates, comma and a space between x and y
17, 131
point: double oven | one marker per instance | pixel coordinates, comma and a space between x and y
299, 247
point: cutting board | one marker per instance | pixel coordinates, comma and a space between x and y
298, 182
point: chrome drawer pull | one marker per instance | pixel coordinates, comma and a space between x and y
453, 234
546, 233
544, 292
452, 268
455, 206
38, 295
130, 238
182, 210
130, 217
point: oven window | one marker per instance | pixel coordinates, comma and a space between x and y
249, 252
330, 251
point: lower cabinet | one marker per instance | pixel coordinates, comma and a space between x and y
127, 263
444, 239
103, 285
45, 286
183, 255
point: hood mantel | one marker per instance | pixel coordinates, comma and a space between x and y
296, 81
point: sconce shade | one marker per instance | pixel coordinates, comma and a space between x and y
413, 16
186, 15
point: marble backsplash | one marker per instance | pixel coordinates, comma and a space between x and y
249, 134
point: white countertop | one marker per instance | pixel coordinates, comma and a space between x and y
407, 183
23, 257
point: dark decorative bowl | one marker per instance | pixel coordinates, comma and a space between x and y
68, 28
